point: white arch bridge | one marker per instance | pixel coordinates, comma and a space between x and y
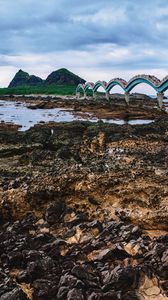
160, 86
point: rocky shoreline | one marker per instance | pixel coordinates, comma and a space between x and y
141, 106
84, 211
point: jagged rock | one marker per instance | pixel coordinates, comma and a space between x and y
75, 294
130, 296
82, 274
115, 252
15, 259
122, 279
105, 296
54, 244
44, 290
15, 294
54, 212
62, 293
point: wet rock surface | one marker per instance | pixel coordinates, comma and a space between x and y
84, 212
141, 106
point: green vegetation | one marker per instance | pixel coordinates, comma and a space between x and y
48, 90
60, 82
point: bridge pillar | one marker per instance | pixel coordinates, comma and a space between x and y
127, 97
94, 95
160, 97
85, 95
107, 96
77, 95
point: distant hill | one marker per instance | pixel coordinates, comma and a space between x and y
22, 78
59, 77
34, 80
63, 77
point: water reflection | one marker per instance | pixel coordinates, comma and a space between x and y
18, 113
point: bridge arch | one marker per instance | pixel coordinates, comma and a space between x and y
99, 84
116, 81
80, 89
164, 85
150, 80
88, 86
159, 86
113, 83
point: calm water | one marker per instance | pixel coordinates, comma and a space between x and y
18, 113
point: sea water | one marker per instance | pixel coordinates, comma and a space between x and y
18, 113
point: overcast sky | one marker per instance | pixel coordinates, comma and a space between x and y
97, 39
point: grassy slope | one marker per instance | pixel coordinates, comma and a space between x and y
51, 89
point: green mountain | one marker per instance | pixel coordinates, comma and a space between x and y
63, 77
34, 80
59, 77
22, 78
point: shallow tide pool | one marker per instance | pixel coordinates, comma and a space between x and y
18, 113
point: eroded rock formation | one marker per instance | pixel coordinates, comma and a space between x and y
84, 212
